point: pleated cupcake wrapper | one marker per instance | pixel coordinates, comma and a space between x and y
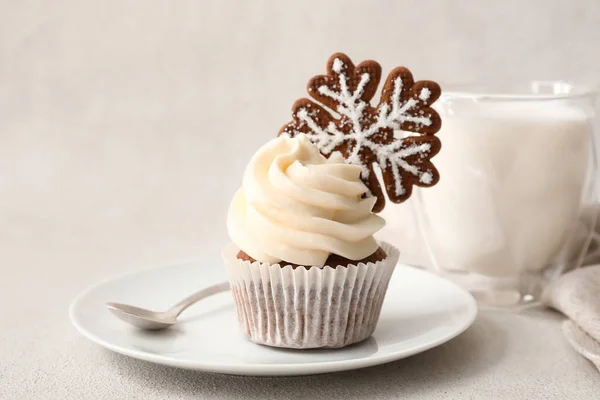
308, 308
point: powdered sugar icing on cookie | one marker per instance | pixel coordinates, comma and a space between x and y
397, 134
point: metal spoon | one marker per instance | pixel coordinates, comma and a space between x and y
146, 319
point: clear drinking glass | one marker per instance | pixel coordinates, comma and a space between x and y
516, 203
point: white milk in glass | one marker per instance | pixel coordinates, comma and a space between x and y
512, 179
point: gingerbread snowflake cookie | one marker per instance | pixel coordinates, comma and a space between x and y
397, 135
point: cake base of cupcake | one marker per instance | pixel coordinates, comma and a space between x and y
332, 261
305, 308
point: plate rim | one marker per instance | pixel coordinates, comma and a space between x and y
253, 369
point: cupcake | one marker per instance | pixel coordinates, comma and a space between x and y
304, 267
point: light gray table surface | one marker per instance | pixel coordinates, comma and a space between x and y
502, 356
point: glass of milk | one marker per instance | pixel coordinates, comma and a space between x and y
518, 180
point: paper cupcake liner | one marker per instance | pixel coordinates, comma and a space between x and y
308, 308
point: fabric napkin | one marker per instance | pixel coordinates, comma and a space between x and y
577, 295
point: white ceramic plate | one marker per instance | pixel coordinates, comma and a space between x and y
421, 310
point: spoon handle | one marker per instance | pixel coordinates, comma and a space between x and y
194, 298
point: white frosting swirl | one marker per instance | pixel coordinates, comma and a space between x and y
298, 206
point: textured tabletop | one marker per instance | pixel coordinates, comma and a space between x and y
503, 355
124, 130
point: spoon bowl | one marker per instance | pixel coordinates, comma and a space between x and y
140, 317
